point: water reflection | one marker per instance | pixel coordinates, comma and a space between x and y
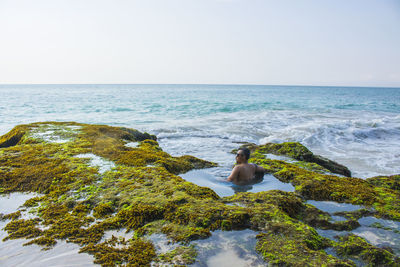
228, 248
13, 253
332, 207
378, 232
214, 178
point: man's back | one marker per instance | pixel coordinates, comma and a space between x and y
243, 173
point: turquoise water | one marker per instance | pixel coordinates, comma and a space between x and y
358, 127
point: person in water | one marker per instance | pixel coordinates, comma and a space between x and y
245, 173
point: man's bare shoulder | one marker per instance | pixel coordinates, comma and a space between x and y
234, 174
238, 166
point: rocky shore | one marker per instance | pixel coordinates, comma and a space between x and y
140, 191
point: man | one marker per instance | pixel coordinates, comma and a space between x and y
244, 172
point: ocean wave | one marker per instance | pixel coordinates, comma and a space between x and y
366, 142
359, 127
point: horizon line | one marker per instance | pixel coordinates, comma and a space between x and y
217, 84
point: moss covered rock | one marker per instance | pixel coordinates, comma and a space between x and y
379, 193
141, 192
299, 152
357, 247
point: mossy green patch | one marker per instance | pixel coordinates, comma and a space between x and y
115, 252
355, 246
317, 218
11, 216
357, 214
391, 182
180, 256
184, 233
44, 241
299, 152
279, 250
22, 229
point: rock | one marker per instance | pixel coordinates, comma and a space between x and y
352, 245
142, 193
13, 137
297, 151
376, 192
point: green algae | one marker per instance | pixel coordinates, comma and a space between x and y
357, 214
11, 216
318, 186
299, 152
390, 182
357, 247
102, 210
180, 256
72, 188
323, 220
13, 137
380, 226
184, 233
286, 237
279, 250
135, 252
44, 241
22, 229
33, 202
143, 194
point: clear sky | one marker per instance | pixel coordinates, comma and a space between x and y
297, 42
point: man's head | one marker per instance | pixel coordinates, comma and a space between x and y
242, 155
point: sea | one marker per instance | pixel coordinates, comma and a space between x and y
358, 127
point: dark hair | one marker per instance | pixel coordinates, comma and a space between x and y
246, 152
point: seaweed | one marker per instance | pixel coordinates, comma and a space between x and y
180, 256
137, 252
356, 247
318, 186
143, 194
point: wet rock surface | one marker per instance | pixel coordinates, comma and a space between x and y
141, 193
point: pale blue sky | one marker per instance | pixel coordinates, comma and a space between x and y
298, 42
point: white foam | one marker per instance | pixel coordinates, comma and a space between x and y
368, 143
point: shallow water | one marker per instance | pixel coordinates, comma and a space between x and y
387, 236
223, 248
63, 254
13, 253
332, 207
11, 202
228, 248
377, 237
206, 177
